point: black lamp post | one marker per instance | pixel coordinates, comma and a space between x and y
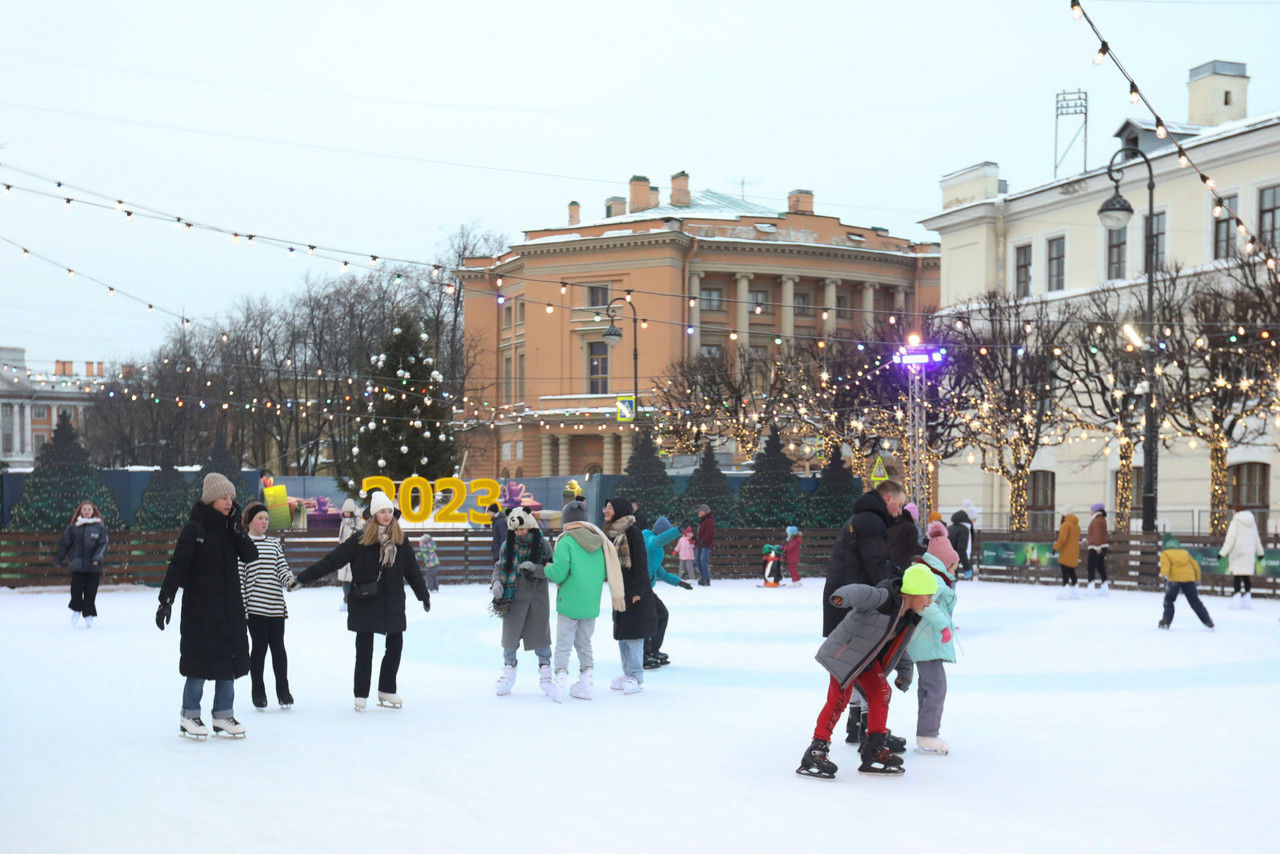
613, 335
1116, 213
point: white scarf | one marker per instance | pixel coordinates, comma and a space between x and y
88, 520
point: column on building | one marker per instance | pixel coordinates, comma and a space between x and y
787, 317
608, 462
548, 450
829, 305
628, 443
23, 433
565, 443
868, 307
742, 310
695, 313
899, 299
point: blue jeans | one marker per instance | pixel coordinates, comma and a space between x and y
632, 658
224, 697
1188, 589
544, 655
702, 558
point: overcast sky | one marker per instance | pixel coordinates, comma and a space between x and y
382, 126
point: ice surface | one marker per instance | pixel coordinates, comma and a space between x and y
1073, 725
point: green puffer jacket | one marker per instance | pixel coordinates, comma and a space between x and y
578, 569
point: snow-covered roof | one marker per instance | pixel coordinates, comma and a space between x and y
704, 204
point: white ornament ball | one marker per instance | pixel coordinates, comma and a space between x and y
382, 463
423, 461
424, 337
355, 452
396, 331
437, 376
404, 449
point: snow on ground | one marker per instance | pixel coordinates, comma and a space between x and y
1072, 724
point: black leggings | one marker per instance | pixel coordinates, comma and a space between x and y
268, 633
1098, 563
1236, 580
653, 643
84, 593
390, 662
1069, 576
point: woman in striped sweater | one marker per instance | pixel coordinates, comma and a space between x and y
262, 584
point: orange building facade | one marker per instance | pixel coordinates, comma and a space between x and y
705, 272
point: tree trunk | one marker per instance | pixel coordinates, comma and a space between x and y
1218, 483
1018, 500
1124, 488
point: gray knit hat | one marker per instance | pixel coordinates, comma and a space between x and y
216, 486
574, 511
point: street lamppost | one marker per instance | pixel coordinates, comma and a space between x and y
613, 335
1115, 213
916, 359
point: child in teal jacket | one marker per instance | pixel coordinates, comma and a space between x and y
934, 642
655, 544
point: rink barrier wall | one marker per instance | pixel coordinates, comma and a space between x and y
141, 557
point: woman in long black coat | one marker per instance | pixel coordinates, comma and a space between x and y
214, 643
382, 559
640, 619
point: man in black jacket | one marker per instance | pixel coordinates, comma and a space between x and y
860, 556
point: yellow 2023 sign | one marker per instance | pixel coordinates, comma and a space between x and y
421, 507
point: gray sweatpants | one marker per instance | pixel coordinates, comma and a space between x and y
576, 634
931, 688
688, 569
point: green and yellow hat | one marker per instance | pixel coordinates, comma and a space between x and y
919, 580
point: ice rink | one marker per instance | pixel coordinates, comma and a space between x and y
1074, 725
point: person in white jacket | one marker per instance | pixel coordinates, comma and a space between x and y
1242, 547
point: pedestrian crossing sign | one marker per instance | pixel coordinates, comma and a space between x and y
626, 404
878, 472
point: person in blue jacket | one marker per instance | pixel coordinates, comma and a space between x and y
656, 541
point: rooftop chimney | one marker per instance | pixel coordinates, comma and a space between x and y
639, 193
800, 201
575, 215
654, 201
680, 190
615, 206
1217, 92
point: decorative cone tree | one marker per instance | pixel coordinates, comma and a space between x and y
227, 464
709, 486
647, 480
405, 430
166, 503
831, 502
63, 476
771, 496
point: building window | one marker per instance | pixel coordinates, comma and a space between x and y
598, 367
520, 376
1116, 239
711, 299
759, 301
1022, 271
1156, 236
39, 412
39, 440
508, 379
67, 411
508, 312
842, 308
506, 451
1057, 259
1224, 230
1040, 497
1268, 206
711, 351
597, 296
1249, 486
520, 310
802, 305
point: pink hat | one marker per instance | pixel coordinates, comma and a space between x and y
939, 546
913, 510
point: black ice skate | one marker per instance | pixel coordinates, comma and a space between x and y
815, 763
895, 743
260, 701
877, 758
856, 728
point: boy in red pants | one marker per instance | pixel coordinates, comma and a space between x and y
869, 641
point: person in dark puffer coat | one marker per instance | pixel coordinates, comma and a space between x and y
902, 542
640, 619
83, 547
214, 637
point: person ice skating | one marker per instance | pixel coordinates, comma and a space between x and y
791, 553
1098, 547
1242, 547
498, 524
870, 641
685, 552
213, 643
640, 620
521, 597
430, 561
584, 560
704, 540
655, 544
859, 557
382, 561
1181, 572
960, 533
1068, 548
262, 583
931, 643
83, 548
902, 540
350, 524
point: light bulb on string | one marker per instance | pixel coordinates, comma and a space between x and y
1133, 93
1103, 50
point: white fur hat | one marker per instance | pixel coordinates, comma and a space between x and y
379, 501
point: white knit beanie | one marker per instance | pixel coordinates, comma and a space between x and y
379, 501
216, 486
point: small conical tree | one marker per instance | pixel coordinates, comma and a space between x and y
166, 503
647, 480
708, 485
222, 461
62, 477
771, 496
831, 501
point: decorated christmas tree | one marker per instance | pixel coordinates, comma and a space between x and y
647, 480
831, 502
63, 477
222, 461
166, 503
709, 486
405, 430
771, 497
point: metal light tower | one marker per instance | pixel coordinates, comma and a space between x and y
917, 359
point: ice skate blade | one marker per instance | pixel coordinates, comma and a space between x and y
817, 775
284, 707
891, 771
924, 752
390, 705
184, 734
223, 733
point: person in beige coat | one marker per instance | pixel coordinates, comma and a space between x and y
1242, 548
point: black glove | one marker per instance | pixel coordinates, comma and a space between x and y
163, 614
426, 604
686, 585
236, 518
294, 584
902, 683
